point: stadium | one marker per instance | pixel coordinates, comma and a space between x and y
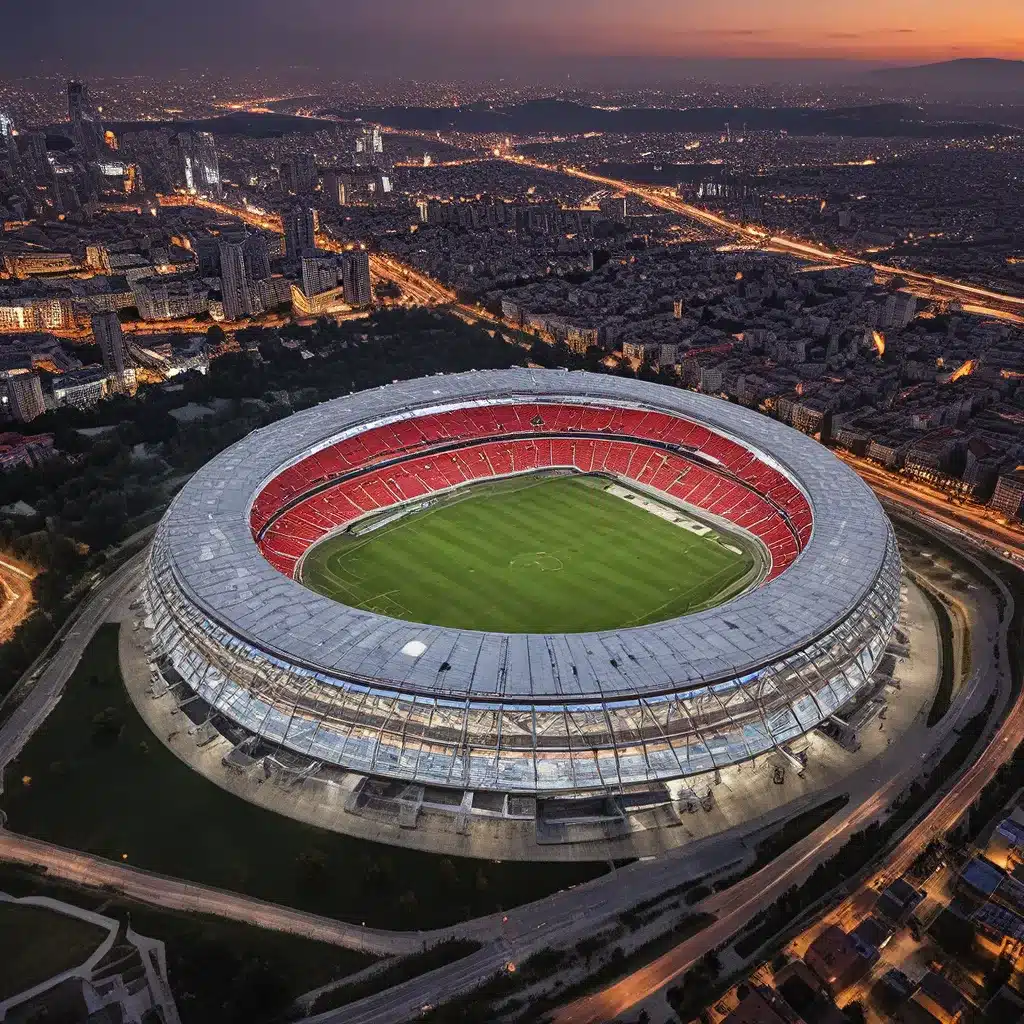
522, 585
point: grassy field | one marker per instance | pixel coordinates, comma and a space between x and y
555, 554
36, 944
217, 968
95, 778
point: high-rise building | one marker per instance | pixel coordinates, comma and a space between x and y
199, 157
35, 153
239, 296
613, 209
319, 273
79, 103
1009, 494
336, 187
369, 149
899, 309
106, 328
298, 173
8, 145
257, 257
25, 396
299, 232
86, 127
355, 275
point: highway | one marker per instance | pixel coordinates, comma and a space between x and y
982, 301
970, 519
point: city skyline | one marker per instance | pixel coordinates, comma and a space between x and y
400, 36
512, 510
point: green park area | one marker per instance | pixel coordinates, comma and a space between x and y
37, 943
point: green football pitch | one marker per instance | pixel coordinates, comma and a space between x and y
532, 555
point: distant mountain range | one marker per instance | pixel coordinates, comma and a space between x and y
970, 76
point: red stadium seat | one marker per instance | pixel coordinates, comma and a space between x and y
751, 495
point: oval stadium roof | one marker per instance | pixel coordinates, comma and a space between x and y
217, 565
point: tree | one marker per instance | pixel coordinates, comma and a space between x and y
854, 1013
106, 727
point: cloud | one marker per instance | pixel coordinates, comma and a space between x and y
727, 33
845, 35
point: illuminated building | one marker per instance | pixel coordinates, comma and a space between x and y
305, 304
97, 258
299, 232
106, 328
319, 273
369, 150
28, 264
199, 156
298, 174
239, 296
8, 147
36, 314
355, 276
257, 257
274, 292
24, 395
80, 388
336, 187
169, 297
1009, 494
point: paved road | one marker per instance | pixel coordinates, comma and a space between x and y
29, 715
974, 522
174, 894
582, 905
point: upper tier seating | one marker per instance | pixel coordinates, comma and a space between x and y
739, 496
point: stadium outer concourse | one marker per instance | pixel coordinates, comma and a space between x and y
329, 686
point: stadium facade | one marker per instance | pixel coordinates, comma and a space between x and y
524, 714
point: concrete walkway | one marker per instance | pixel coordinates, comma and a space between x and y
151, 953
